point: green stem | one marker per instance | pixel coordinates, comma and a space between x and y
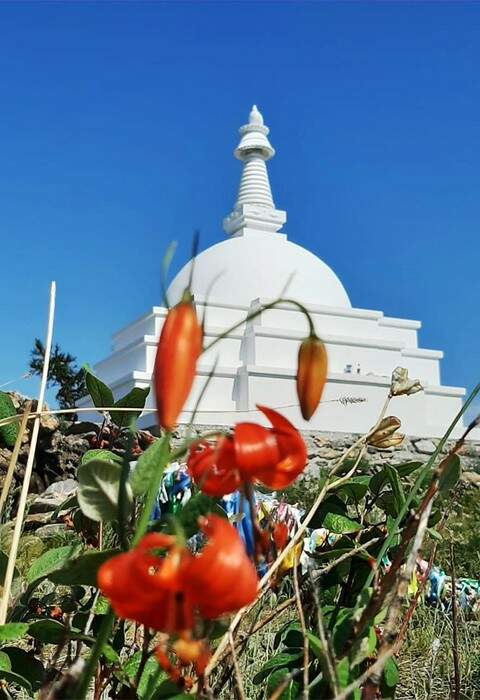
153, 488
257, 312
122, 491
80, 691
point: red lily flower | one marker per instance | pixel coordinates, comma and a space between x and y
147, 588
272, 456
164, 592
214, 468
178, 350
223, 577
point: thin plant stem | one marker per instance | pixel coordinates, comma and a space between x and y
238, 675
456, 663
124, 409
253, 314
81, 690
301, 617
12, 557
122, 492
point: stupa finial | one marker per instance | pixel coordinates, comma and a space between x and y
254, 203
255, 116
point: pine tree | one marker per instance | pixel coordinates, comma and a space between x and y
62, 372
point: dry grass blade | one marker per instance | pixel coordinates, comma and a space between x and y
12, 557
236, 667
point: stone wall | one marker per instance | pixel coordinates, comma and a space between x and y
324, 448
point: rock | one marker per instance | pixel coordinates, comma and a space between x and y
5, 455
54, 496
52, 530
33, 520
82, 428
471, 478
327, 453
49, 424
426, 447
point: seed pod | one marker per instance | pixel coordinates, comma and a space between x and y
179, 347
387, 442
386, 429
311, 374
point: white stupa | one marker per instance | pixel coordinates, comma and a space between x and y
257, 362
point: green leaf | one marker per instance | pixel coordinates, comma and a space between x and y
98, 489
397, 488
407, 468
152, 676
8, 432
50, 561
355, 488
284, 659
3, 567
340, 524
290, 635
277, 678
387, 503
341, 629
434, 518
343, 672
16, 679
82, 570
49, 631
136, 398
100, 454
200, 504
5, 664
12, 631
377, 481
102, 606
390, 673
27, 665
450, 475
434, 534
332, 504
100, 393
147, 463
68, 503
110, 654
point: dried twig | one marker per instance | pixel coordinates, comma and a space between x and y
236, 667
329, 655
28, 470
303, 626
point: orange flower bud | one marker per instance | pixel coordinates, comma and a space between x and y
179, 347
311, 374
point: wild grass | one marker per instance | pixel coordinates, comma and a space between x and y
425, 661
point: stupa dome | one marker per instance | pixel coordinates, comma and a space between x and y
258, 265
257, 261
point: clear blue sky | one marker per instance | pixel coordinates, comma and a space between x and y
118, 122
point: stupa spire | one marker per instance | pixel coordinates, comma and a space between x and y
254, 208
